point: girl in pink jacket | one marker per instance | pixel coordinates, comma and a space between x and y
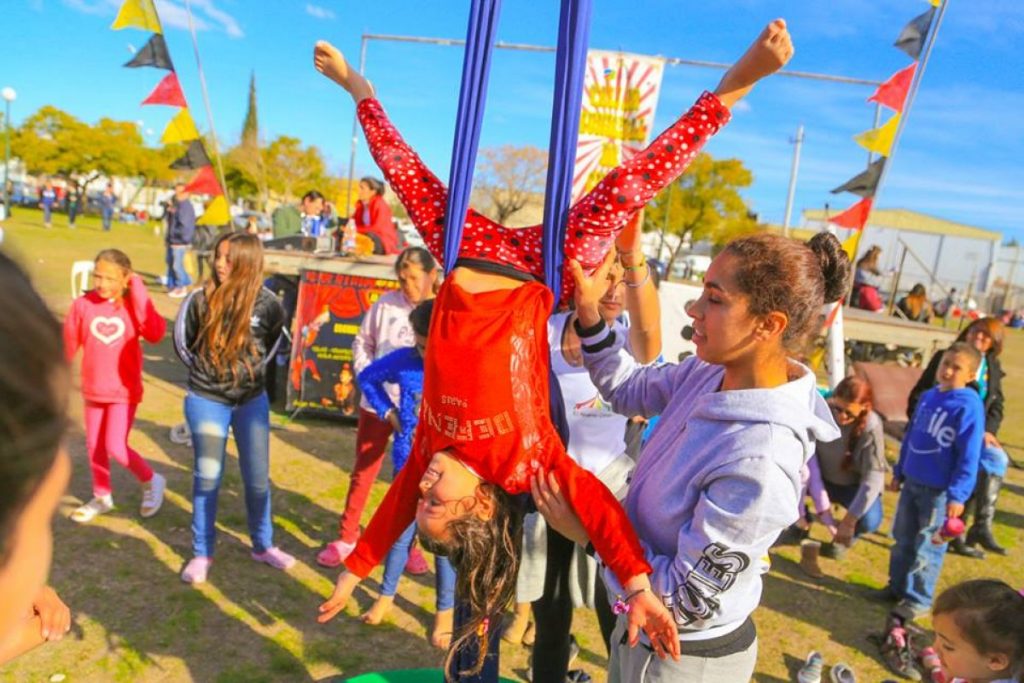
108, 323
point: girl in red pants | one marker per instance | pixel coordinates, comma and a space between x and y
108, 323
485, 426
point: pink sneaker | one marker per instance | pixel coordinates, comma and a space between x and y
196, 570
334, 553
416, 565
275, 557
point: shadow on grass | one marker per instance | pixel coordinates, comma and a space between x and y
819, 601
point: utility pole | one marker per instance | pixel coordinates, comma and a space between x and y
798, 142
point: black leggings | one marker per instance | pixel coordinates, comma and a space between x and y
553, 613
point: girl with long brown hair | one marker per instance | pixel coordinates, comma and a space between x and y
226, 333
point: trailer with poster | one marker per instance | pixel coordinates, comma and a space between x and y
331, 299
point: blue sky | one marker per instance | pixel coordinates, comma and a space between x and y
959, 157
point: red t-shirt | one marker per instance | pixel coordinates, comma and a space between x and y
485, 401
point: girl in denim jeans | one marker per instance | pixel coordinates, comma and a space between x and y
225, 334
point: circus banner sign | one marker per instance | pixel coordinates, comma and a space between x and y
620, 94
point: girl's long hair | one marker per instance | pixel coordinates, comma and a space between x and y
225, 337
855, 389
485, 555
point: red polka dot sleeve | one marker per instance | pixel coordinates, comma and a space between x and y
593, 221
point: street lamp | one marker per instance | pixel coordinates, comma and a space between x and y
9, 96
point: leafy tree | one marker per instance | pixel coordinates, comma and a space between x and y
704, 203
292, 169
510, 178
53, 142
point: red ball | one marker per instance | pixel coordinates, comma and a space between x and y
954, 526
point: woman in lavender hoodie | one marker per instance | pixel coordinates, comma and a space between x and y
719, 479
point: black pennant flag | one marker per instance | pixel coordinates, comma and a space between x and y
153, 53
194, 158
911, 38
865, 182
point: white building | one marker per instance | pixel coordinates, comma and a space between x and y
938, 253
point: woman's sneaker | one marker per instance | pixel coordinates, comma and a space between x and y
810, 672
153, 495
196, 571
275, 557
97, 506
842, 673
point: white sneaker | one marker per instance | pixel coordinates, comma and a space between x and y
97, 506
153, 495
178, 293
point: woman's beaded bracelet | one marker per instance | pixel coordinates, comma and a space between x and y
640, 284
621, 605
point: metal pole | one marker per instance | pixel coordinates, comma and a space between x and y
896, 282
918, 74
1010, 291
206, 97
7, 159
355, 134
793, 170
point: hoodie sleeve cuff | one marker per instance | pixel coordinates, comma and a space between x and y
595, 338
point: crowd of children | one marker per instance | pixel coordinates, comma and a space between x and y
476, 440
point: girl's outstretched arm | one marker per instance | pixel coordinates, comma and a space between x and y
151, 324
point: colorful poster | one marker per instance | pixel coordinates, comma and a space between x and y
330, 308
620, 94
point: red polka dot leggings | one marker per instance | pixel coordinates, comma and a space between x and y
593, 220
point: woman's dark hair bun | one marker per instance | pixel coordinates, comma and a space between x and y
835, 265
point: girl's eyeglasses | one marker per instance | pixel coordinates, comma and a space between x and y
843, 412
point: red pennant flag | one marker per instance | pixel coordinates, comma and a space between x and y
893, 92
204, 182
855, 217
168, 92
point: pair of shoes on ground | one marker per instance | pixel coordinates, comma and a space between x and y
815, 665
898, 648
152, 499
198, 568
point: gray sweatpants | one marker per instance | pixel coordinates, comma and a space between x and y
640, 665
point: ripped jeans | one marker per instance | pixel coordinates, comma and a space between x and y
209, 422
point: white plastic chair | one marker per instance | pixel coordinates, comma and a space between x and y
81, 276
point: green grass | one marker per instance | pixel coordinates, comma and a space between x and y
136, 621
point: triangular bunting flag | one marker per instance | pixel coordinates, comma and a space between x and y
865, 182
168, 92
217, 212
204, 182
137, 14
180, 129
893, 92
850, 245
879, 140
195, 157
153, 53
854, 217
935, 3
911, 38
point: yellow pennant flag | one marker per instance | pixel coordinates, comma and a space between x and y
137, 14
850, 244
181, 129
935, 3
879, 140
216, 213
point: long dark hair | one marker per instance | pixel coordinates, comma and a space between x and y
34, 382
855, 389
225, 336
990, 615
485, 555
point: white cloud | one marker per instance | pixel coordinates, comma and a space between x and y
318, 12
173, 14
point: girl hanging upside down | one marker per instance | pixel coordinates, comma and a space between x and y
485, 426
